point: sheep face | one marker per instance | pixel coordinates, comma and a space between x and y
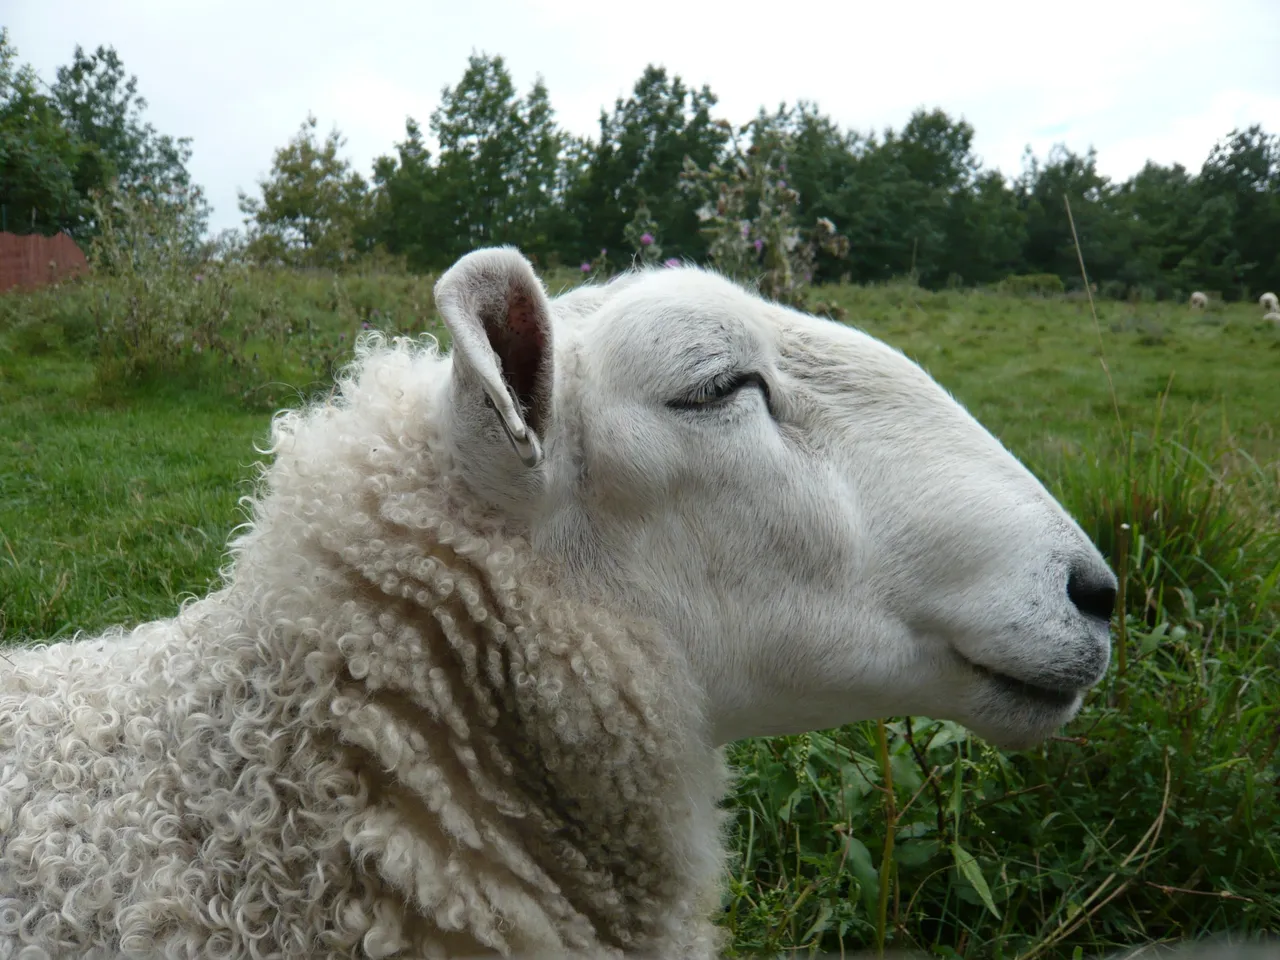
823, 530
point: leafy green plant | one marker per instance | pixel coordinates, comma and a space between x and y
749, 218
642, 234
1032, 284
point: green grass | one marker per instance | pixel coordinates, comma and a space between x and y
1156, 816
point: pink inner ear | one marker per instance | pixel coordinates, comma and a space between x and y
520, 343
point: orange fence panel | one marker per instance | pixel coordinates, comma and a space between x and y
30, 260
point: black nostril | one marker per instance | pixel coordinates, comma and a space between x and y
1092, 596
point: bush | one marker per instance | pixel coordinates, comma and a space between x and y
749, 218
1032, 285
154, 314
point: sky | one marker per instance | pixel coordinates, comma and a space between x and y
1135, 79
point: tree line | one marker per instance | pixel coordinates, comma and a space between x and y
915, 201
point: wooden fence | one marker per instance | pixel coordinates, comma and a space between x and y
30, 260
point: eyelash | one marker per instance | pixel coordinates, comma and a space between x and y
716, 391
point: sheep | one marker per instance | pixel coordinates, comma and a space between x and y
1199, 301
1273, 316
1269, 303
465, 684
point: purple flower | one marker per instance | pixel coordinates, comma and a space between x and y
586, 268
342, 336
782, 184
603, 251
759, 244
199, 278
366, 326
646, 239
672, 262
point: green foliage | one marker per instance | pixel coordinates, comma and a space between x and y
497, 178
1174, 505
637, 159
748, 214
102, 108
312, 205
1033, 284
40, 158
57, 149
498, 156
154, 319
153, 315
642, 235
914, 202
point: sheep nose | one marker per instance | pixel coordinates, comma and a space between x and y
1094, 595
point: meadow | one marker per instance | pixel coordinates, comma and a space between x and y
130, 407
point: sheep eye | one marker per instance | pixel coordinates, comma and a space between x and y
718, 390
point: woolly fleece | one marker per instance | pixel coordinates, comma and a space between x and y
392, 732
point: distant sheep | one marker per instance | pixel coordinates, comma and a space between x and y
465, 687
1269, 303
1273, 316
1199, 301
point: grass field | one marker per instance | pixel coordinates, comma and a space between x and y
1157, 815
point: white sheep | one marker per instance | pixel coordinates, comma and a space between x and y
1199, 301
1269, 303
1273, 316
465, 685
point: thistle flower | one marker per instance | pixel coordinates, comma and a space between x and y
671, 262
646, 239
586, 268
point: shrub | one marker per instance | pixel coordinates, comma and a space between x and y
1033, 284
642, 233
749, 218
156, 312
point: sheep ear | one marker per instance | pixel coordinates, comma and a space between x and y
499, 318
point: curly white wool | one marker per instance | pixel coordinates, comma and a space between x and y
248, 777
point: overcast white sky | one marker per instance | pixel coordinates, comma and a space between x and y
1137, 79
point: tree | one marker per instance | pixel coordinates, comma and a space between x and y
1159, 206
41, 161
313, 205
101, 106
405, 202
1242, 178
638, 159
498, 161
498, 176
1041, 191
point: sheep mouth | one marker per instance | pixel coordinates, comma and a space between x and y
1057, 697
